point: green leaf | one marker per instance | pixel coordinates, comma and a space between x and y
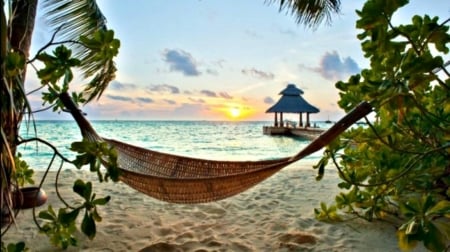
434, 239
96, 216
344, 185
321, 171
441, 208
428, 202
102, 201
83, 189
88, 226
410, 208
67, 218
49, 214
45, 216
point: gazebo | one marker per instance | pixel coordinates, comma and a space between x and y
292, 101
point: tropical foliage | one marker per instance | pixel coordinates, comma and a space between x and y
397, 167
95, 48
56, 74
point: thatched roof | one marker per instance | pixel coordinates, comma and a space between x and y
291, 101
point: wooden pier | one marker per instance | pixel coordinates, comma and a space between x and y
308, 133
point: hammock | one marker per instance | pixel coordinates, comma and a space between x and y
179, 179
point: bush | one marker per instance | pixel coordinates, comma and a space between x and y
398, 165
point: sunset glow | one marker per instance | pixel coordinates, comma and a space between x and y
235, 112
217, 60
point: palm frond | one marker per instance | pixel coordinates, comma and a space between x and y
310, 12
78, 18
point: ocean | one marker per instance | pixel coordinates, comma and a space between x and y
217, 140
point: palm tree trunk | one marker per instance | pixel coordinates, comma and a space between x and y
22, 25
12, 93
21, 32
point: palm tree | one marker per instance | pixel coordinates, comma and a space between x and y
70, 19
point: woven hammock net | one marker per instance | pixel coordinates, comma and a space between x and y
180, 179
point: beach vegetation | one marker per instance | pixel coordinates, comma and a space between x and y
60, 227
397, 167
90, 52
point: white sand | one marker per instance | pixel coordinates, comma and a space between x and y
276, 215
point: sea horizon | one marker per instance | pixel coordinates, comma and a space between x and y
172, 120
215, 140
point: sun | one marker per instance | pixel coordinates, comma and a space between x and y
235, 112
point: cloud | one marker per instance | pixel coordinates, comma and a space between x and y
268, 100
171, 102
161, 88
258, 74
212, 71
219, 63
188, 109
332, 67
196, 100
117, 85
214, 67
145, 99
119, 98
225, 95
208, 93
181, 61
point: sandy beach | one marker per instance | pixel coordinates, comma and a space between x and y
276, 215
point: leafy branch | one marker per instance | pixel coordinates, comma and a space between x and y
398, 165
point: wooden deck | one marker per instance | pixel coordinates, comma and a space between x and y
309, 133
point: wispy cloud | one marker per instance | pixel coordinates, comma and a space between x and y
219, 63
189, 109
181, 61
208, 93
163, 88
145, 99
225, 95
119, 98
258, 73
117, 85
268, 100
332, 67
171, 102
196, 100
212, 71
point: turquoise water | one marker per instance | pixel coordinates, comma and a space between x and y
202, 139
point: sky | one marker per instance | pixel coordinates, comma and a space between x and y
222, 60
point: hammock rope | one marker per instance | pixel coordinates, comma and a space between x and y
187, 180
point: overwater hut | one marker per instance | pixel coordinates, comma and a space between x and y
292, 101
